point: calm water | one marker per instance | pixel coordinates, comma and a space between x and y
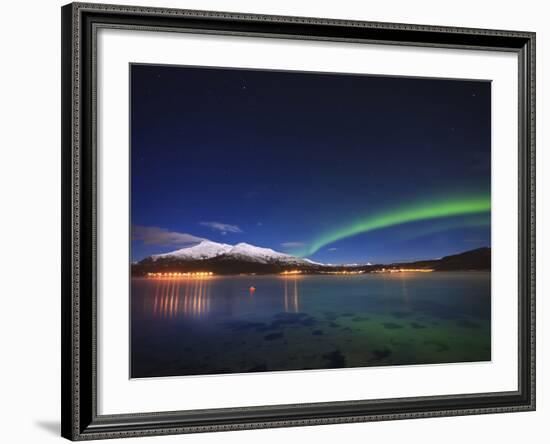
217, 325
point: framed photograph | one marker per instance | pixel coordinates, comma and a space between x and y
281, 221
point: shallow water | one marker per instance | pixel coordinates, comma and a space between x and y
217, 325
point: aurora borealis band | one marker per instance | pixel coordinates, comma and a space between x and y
411, 213
337, 168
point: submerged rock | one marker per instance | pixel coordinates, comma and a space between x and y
258, 368
417, 325
440, 346
336, 359
465, 323
381, 354
391, 325
273, 336
401, 314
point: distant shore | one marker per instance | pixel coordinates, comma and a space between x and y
473, 260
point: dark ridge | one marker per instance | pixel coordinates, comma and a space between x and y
473, 260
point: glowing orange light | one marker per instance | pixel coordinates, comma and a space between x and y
179, 274
404, 270
286, 272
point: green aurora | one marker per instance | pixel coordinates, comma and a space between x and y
412, 213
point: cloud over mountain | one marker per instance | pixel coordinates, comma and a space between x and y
162, 237
221, 227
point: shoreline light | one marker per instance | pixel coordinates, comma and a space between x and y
345, 272
404, 270
175, 274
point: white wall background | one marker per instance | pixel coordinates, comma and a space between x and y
30, 220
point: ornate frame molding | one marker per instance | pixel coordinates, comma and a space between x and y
80, 22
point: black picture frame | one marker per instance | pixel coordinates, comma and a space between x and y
80, 420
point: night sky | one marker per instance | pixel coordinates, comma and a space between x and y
338, 168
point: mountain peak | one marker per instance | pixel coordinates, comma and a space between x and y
243, 249
207, 249
244, 244
205, 242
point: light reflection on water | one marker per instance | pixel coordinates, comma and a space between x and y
192, 298
179, 298
235, 324
292, 297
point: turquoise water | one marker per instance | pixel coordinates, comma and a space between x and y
219, 325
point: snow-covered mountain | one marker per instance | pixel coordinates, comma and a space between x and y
258, 254
225, 259
245, 252
204, 250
